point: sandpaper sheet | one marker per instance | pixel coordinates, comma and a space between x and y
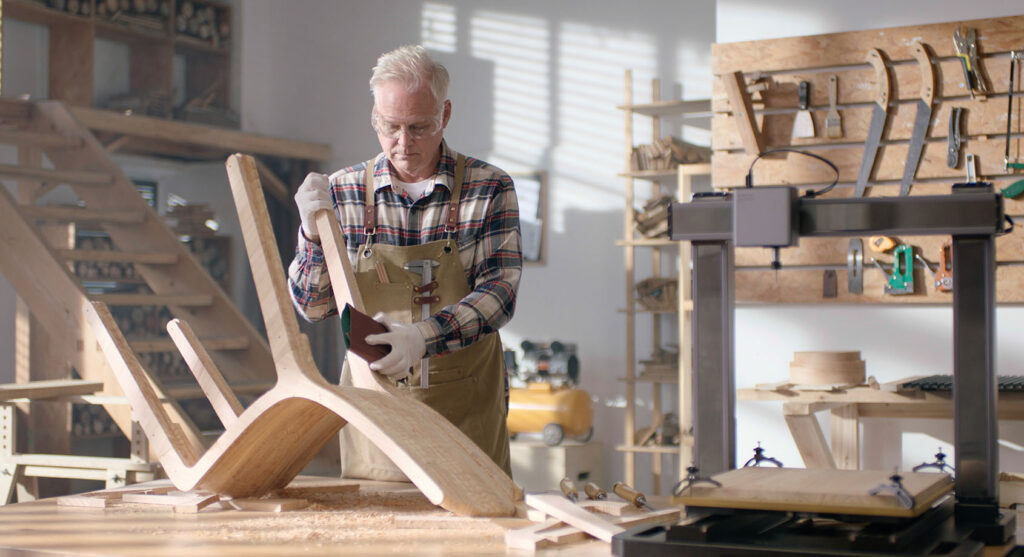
355, 326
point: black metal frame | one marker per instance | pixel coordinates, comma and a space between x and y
972, 214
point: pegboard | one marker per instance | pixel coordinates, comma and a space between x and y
771, 72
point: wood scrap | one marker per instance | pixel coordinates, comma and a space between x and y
557, 529
563, 509
92, 499
184, 499
302, 488
268, 505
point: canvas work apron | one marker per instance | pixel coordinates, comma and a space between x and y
467, 386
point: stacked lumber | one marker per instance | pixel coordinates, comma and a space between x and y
666, 153
657, 293
652, 220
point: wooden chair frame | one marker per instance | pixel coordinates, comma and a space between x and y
267, 444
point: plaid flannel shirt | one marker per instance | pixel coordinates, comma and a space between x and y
488, 240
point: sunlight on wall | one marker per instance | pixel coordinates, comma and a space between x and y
591, 64
439, 24
519, 48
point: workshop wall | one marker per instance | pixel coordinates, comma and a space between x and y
895, 342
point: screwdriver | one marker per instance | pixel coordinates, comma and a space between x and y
595, 492
569, 490
631, 495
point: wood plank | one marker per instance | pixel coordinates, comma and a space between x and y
743, 114
75, 177
822, 491
346, 291
182, 300
561, 508
846, 437
49, 389
144, 345
172, 498
805, 286
781, 95
85, 462
46, 140
995, 35
730, 169
111, 256
981, 123
146, 404
84, 215
199, 135
94, 499
810, 440
268, 505
218, 393
286, 342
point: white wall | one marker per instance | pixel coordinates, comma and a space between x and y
895, 342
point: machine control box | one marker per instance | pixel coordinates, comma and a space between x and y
765, 217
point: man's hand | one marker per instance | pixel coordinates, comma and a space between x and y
313, 195
407, 347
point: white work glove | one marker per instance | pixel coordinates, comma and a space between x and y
313, 195
407, 347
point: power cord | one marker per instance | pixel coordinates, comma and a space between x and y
808, 194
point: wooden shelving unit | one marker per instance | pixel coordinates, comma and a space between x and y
154, 41
660, 249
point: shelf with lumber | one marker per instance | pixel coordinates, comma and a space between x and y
654, 294
743, 120
653, 449
155, 32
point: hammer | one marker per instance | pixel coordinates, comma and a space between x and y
425, 268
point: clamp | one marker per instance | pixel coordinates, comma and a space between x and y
966, 46
759, 457
692, 478
903, 497
940, 464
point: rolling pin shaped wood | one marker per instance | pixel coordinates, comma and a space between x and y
594, 491
631, 495
569, 490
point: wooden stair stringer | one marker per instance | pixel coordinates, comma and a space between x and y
55, 298
186, 275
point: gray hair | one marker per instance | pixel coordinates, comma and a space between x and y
411, 65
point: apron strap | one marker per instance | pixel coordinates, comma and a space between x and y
370, 214
451, 211
451, 220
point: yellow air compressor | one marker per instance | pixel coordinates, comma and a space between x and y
549, 403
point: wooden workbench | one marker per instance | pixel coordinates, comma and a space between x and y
849, 405
381, 518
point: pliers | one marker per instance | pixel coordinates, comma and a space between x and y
967, 50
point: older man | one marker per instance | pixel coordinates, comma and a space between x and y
417, 205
